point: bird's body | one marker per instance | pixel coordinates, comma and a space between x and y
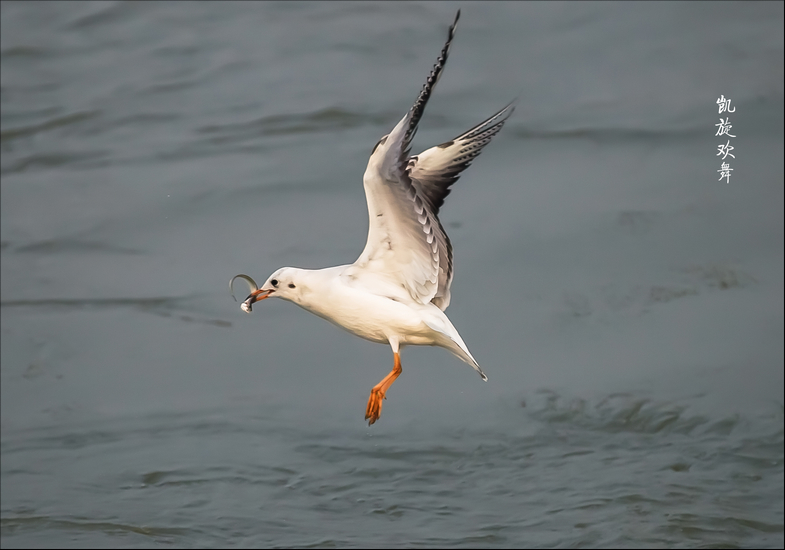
397, 290
372, 309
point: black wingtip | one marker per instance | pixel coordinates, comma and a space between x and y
451, 32
419, 105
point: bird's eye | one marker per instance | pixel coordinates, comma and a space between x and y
291, 285
274, 282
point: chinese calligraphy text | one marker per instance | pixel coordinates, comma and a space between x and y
723, 129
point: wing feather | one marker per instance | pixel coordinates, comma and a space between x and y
408, 252
433, 171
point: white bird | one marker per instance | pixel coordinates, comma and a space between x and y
397, 290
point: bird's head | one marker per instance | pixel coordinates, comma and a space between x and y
281, 284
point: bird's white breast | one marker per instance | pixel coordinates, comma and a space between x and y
374, 316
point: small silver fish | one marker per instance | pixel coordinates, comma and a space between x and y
246, 305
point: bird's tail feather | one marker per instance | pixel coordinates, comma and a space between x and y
454, 344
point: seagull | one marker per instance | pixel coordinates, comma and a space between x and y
397, 290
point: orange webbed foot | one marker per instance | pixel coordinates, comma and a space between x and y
374, 409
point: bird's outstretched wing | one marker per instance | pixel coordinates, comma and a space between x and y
407, 246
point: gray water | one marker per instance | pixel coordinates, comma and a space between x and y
626, 305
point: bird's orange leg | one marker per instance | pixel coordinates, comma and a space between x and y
374, 409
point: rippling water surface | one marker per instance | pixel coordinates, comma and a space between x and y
626, 306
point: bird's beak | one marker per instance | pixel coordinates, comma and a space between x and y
253, 297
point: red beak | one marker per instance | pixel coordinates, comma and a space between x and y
253, 297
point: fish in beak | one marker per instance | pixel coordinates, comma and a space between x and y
256, 295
